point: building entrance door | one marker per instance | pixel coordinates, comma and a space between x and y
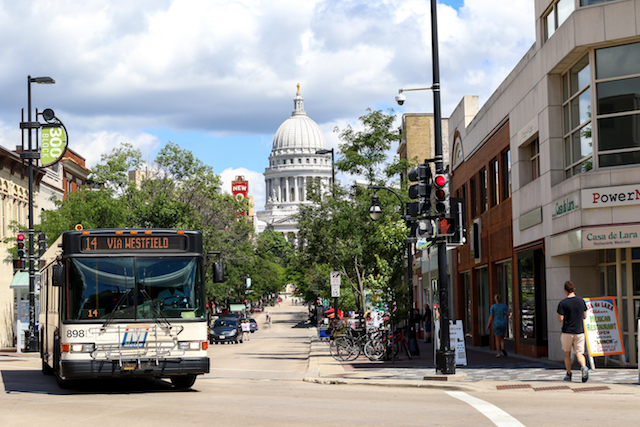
484, 304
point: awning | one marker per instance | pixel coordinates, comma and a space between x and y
20, 280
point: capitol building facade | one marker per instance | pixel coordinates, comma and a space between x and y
293, 164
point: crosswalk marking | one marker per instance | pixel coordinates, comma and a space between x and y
489, 410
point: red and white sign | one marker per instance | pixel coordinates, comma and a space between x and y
623, 195
240, 189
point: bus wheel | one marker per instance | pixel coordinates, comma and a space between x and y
183, 382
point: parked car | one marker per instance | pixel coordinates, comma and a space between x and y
225, 329
254, 324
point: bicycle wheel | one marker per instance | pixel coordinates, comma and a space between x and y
406, 348
374, 350
348, 349
333, 348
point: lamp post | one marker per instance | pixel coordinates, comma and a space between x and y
375, 212
333, 168
333, 193
31, 344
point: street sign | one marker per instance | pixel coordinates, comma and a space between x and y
335, 284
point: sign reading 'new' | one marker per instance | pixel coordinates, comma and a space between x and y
624, 195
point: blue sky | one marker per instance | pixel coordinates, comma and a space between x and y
218, 78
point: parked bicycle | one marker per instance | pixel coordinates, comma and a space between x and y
376, 349
349, 346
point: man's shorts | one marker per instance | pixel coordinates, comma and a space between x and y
570, 341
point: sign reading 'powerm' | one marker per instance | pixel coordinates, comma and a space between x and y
133, 243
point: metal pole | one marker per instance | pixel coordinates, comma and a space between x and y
31, 344
445, 358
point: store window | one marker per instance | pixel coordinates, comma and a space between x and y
532, 293
618, 102
576, 113
556, 15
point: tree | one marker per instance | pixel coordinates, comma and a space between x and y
364, 152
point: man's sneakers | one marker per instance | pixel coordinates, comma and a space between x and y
585, 374
568, 377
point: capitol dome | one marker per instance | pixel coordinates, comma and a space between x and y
298, 133
294, 164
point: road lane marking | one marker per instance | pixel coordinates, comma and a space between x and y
489, 410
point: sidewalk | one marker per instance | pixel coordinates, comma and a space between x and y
483, 370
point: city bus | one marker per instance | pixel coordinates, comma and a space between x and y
122, 303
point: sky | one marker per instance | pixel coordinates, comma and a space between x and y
218, 77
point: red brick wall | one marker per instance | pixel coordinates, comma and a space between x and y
496, 234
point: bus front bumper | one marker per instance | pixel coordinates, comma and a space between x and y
77, 369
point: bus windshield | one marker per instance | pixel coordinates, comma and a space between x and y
134, 288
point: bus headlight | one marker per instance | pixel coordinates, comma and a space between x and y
82, 348
189, 345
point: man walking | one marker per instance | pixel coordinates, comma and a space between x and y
571, 312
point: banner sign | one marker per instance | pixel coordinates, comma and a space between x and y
601, 327
240, 190
53, 144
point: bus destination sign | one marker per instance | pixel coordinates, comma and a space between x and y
133, 243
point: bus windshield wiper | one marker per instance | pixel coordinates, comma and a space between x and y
157, 314
112, 315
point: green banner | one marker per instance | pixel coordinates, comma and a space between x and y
53, 144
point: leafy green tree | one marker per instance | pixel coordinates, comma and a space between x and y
364, 152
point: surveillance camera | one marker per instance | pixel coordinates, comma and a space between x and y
400, 98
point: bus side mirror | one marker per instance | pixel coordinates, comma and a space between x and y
58, 275
218, 272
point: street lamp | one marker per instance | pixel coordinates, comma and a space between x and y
31, 344
333, 168
375, 212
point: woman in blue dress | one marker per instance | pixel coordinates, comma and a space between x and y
499, 314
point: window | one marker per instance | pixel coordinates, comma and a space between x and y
556, 15
534, 159
506, 174
576, 112
474, 198
484, 205
495, 183
618, 102
591, 2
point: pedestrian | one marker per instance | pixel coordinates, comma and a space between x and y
246, 330
426, 318
499, 313
571, 312
268, 318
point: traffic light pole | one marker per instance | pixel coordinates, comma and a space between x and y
445, 356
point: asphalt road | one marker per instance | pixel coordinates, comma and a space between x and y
260, 383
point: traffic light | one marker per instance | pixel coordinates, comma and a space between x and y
42, 243
421, 191
440, 194
22, 254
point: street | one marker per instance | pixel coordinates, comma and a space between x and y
260, 382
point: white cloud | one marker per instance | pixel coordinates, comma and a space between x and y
213, 67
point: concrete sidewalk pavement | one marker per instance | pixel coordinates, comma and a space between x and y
483, 370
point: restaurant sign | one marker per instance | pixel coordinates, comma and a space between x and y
566, 204
611, 237
601, 327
